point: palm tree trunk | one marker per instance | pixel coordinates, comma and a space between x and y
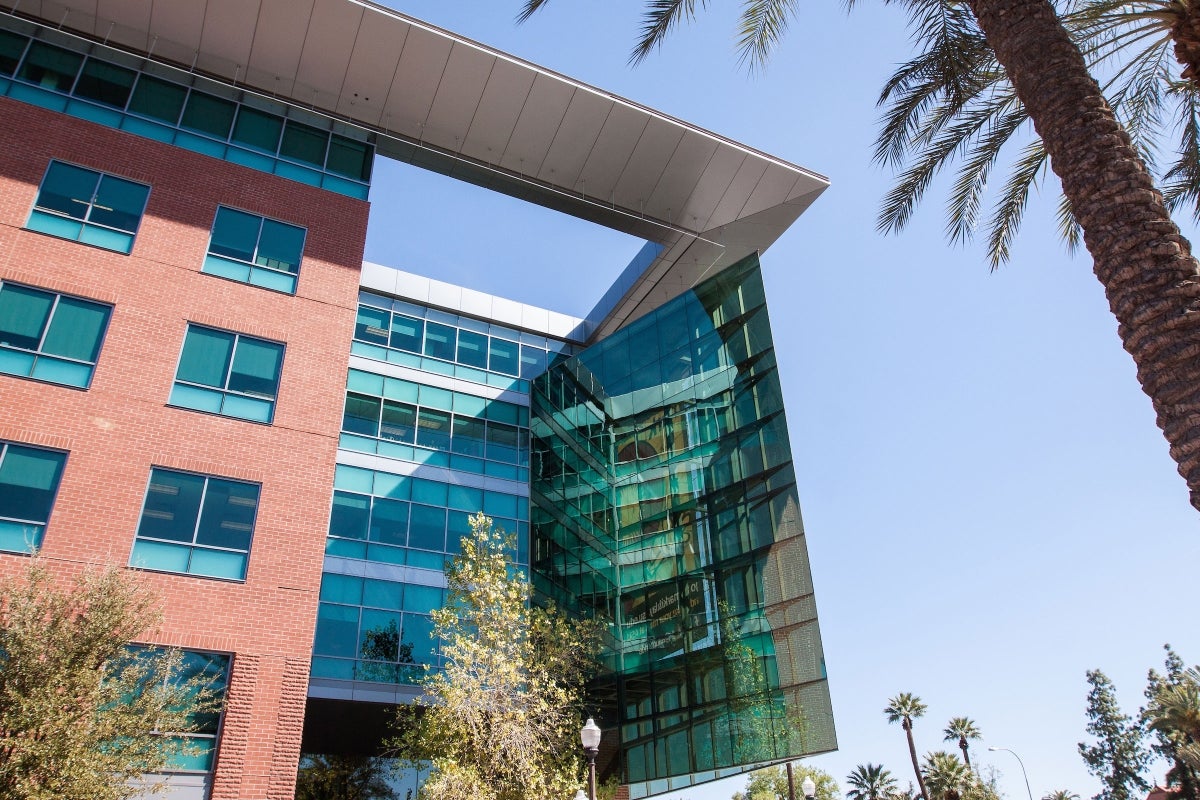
962, 745
1149, 275
912, 751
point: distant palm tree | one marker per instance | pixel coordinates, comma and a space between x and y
1061, 794
946, 776
1175, 712
904, 708
960, 730
871, 782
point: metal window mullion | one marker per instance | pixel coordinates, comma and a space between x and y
258, 239
46, 324
24, 54
91, 203
237, 338
199, 514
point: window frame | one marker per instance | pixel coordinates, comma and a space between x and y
192, 545
33, 547
38, 354
85, 222
256, 274
223, 390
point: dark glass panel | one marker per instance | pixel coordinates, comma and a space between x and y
119, 204
399, 422
23, 315
502, 442
304, 143
472, 349
372, 325
439, 341
533, 361
468, 436
337, 631
11, 48
234, 234
158, 99
207, 114
76, 330
172, 506
280, 246
256, 367
407, 333
227, 518
427, 529
257, 129
389, 521
362, 414
433, 429
28, 480
503, 356
50, 67
350, 515
105, 83
205, 358
349, 158
68, 189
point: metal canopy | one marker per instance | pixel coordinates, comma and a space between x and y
457, 107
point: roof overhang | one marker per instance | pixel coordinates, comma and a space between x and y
457, 107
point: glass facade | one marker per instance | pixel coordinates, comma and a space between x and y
664, 504
254, 249
88, 206
49, 336
29, 479
228, 373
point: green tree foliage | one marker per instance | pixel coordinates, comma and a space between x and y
772, 784
1118, 756
870, 782
904, 708
1173, 716
80, 711
1061, 794
962, 730
343, 777
501, 720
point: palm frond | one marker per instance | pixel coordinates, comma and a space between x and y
530, 8
1069, 229
762, 24
658, 20
966, 195
1009, 209
1181, 183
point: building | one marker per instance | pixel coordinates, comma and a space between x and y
200, 378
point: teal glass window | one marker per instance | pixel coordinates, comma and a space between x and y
254, 249
50, 67
12, 47
257, 129
503, 357
439, 341
49, 336
197, 749
407, 333
88, 206
228, 373
158, 99
304, 143
196, 525
29, 479
105, 83
472, 349
372, 325
207, 114
399, 422
349, 157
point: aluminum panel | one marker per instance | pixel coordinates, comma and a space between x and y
327, 48
576, 136
372, 68
542, 114
647, 164
679, 180
503, 98
463, 81
719, 171
175, 30
135, 21
226, 37
772, 190
417, 78
614, 146
279, 38
738, 192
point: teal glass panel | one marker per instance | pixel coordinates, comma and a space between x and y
227, 517
249, 408
158, 99
429, 492
472, 349
77, 329
422, 599
256, 366
398, 422
372, 325
359, 443
206, 356
427, 528
304, 143
345, 548
496, 504
504, 356
499, 411
209, 115
467, 436
93, 113
23, 315
68, 189
469, 404
224, 268
297, 173
337, 631
389, 522
108, 239
50, 67
382, 594
105, 83
29, 479
280, 246
196, 755
160, 556
465, 498
217, 564
20, 537
434, 397
533, 361
359, 191
172, 506
235, 234
148, 130
200, 144
350, 158
11, 47
350, 517
364, 382
396, 389
13, 362
250, 158
257, 129
353, 478
440, 341
54, 225
433, 429
386, 554
68, 373
196, 398
119, 204
269, 279
345, 589
407, 333
362, 414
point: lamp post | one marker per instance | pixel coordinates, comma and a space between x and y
809, 787
1019, 761
590, 736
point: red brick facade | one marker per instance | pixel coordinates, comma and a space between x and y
121, 427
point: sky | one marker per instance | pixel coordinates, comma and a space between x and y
990, 509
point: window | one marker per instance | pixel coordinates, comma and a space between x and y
228, 373
256, 250
90, 207
28, 482
48, 336
195, 524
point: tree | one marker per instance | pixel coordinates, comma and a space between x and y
1173, 715
1145, 265
1117, 757
960, 730
904, 708
80, 710
870, 782
500, 720
343, 777
772, 784
1061, 794
946, 777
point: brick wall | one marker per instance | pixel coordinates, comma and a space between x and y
121, 427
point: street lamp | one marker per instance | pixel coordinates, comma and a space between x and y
1019, 761
590, 736
809, 787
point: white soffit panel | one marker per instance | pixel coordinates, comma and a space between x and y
175, 31
543, 112
417, 78
137, 12
227, 35
279, 37
503, 98
735, 197
773, 189
463, 81
618, 138
680, 179
331, 38
646, 165
575, 137
372, 69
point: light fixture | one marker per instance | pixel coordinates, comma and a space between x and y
809, 787
590, 737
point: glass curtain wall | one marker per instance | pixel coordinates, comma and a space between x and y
664, 503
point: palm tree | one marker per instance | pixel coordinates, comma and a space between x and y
960, 730
946, 776
904, 708
1145, 265
1061, 794
871, 782
1174, 711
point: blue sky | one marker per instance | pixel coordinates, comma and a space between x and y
990, 508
